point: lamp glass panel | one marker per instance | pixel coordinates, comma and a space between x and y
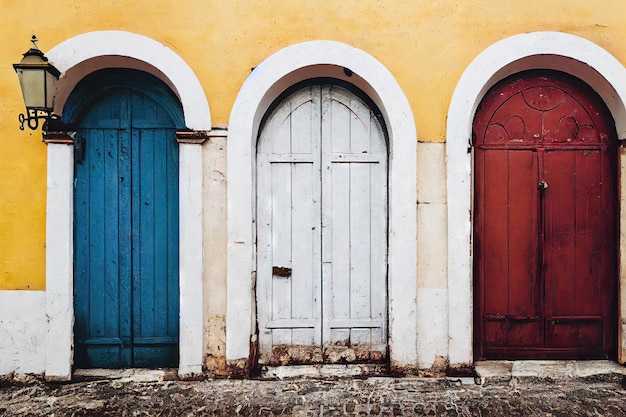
50, 89
33, 86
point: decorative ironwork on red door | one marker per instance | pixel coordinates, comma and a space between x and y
545, 224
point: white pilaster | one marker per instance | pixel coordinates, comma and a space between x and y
59, 261
190, 209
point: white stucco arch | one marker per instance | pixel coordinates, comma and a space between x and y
114, 46
546, 50
281, 70
75, 58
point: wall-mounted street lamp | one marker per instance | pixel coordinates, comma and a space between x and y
37, 79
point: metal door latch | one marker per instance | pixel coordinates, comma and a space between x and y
281, 271
542, 186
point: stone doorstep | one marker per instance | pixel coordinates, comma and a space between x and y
125, 375
322, 371
500, 370
486, 371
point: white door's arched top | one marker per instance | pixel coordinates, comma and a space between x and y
150, 55
280, 71
537, 50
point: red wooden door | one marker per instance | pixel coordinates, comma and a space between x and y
545, 224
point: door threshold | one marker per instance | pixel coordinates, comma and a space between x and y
126, 375
502, 369
324, 371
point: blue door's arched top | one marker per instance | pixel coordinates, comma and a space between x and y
91, 89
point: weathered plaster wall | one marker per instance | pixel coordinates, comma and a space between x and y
22, 332
426, 46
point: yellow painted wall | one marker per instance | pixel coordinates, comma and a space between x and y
425, 44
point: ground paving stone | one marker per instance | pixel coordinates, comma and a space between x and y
594, 396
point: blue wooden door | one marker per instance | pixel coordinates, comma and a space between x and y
126, 234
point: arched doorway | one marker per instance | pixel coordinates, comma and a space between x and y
322, 228
126, 279
545, 220
280, 71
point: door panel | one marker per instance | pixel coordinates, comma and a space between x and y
321, 193
545, 247
126, 235
574, 242
354, 228
102, 330
155, 248
288, 233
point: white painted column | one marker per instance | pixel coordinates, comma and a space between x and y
432, 255
621, 314
59, 261
402, 268
190, 258
241, 264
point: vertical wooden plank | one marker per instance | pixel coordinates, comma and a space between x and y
160, 279
109, 175
304, 126
609, 241
125, 242
378, 226
172, 237
264, 246
97, 306
136, 237
479, 252
495, 237
560, 201
524, 285
335, 216
82, 266
339, 299
360, 241
278, 137
360, 215
495, 244
304, 122
120, 115
145, 254
588, 233
281, 246
305, 269
316, 216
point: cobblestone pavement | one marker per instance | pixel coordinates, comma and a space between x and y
594, 396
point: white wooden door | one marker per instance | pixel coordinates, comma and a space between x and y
322, 230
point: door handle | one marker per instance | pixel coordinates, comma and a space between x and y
542, 186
